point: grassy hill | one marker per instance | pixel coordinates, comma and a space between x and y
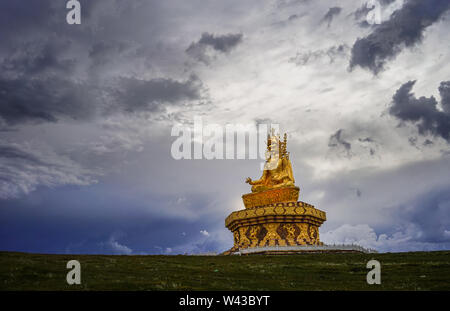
399, 271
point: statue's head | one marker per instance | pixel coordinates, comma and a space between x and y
273, 152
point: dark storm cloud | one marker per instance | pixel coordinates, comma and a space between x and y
423, 111
444, 91
336, 141
366, 140
51, 71
368, 143
430, 215
100, 52
36, 57
360, 12
38, 84
331, 14
412, 141
427, 142
220, 43
50, 99
13, 152
25, 99
303, 58
134, 94
404, 29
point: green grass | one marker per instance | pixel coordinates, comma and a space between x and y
399, 271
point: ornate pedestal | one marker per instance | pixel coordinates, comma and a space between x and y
274, 218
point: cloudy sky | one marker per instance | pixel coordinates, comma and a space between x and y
86, 113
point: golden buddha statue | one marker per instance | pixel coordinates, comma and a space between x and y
273, 217
277, 169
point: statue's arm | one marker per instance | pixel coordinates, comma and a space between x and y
257, 182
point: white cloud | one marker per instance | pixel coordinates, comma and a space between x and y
204, 232
364, 235
116, 248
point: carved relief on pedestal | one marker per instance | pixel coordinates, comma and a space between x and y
244, 242
271, 236
253, 235
290, 233
237, 238
303, 237
313, 234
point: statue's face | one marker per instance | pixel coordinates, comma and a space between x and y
272, 155
272, 158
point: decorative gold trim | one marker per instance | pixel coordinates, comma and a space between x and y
286, 194
282, 211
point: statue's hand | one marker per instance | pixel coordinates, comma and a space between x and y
248, 180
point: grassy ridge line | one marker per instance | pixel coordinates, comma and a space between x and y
399, 271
